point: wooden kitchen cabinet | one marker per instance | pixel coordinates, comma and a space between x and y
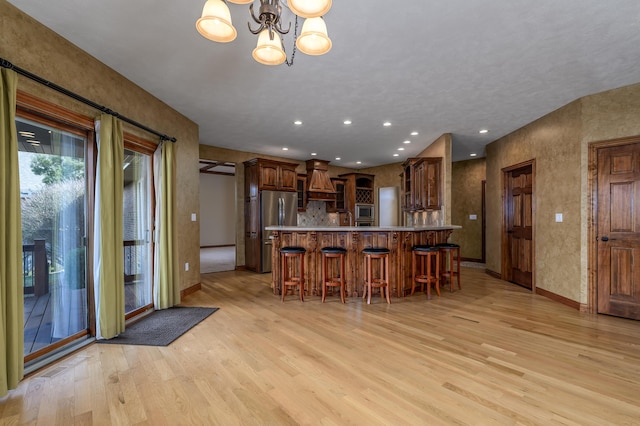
262, 175
422, 182
301, 185
274, 175
338, 205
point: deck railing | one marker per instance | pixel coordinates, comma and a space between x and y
35, 268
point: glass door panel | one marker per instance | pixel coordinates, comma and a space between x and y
137, 230
53, 201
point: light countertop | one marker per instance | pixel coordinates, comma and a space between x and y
362, 228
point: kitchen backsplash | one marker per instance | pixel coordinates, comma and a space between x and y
425, 218
316, 215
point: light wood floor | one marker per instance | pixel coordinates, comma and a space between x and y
492, 353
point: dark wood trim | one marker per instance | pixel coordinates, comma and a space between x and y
557, 298
31, 105
469, 259
222, 245
190, 290
493, 274
241, 268
138, 311
484, 221
57, 345
217, 173
592, 218
138, 144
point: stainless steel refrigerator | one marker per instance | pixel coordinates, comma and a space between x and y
277, 208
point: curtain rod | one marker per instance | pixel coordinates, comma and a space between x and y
6, 64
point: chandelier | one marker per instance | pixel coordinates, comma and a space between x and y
215, 24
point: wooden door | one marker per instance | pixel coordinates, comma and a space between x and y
518, 240
618, 231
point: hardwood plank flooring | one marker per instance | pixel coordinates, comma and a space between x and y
492, 353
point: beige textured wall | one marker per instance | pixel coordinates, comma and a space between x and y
559, 144
33, 47
553, 142
466, 199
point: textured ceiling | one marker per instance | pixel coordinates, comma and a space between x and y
435, 67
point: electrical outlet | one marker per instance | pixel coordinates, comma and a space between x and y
193, 217
473, 217
558, 217
186, 266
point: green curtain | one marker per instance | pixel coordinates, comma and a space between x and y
11, 281
108, 235
166, 273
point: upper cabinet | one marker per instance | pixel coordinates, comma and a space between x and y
302, 192
274, 175
422, 182
339, 205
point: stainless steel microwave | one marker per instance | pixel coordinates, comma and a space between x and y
364, 212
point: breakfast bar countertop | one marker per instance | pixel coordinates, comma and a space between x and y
361, 228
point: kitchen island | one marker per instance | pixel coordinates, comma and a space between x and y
398, 239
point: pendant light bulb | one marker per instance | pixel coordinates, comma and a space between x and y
309, 8
215, 22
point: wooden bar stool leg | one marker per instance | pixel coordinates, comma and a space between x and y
301, 277
343, 283
283, 272
413, 272
437, 274
325, 261
458, 268
385, 260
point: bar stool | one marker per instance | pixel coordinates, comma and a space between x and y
447, 250
289, 279
421, 254
329, 253
382, 282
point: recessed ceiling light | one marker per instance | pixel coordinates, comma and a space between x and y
406, 142
386, 124
297, 122
347, 122
338, 158
358, 162
285, 149
483, 131
414, 133
314, 153
472, 155
400, 149
396, 155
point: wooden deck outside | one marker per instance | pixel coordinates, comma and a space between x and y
60, 313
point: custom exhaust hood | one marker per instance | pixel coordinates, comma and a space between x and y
319, 185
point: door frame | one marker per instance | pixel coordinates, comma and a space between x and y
505, 253
592, 217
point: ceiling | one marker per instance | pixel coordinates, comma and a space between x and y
434, 67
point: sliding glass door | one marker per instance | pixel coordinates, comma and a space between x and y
137, 231
53, 183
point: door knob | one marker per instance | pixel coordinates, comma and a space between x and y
605, 239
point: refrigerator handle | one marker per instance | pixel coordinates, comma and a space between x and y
280, 211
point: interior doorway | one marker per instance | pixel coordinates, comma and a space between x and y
217, 216
616, 243
517, 234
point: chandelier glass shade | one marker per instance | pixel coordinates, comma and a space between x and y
269, 51
215, 24
313, 39
309, 8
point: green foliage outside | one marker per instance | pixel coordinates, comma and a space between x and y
56, 169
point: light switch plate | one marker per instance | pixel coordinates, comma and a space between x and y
186, 266
558, 217
473, 217
193, 217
